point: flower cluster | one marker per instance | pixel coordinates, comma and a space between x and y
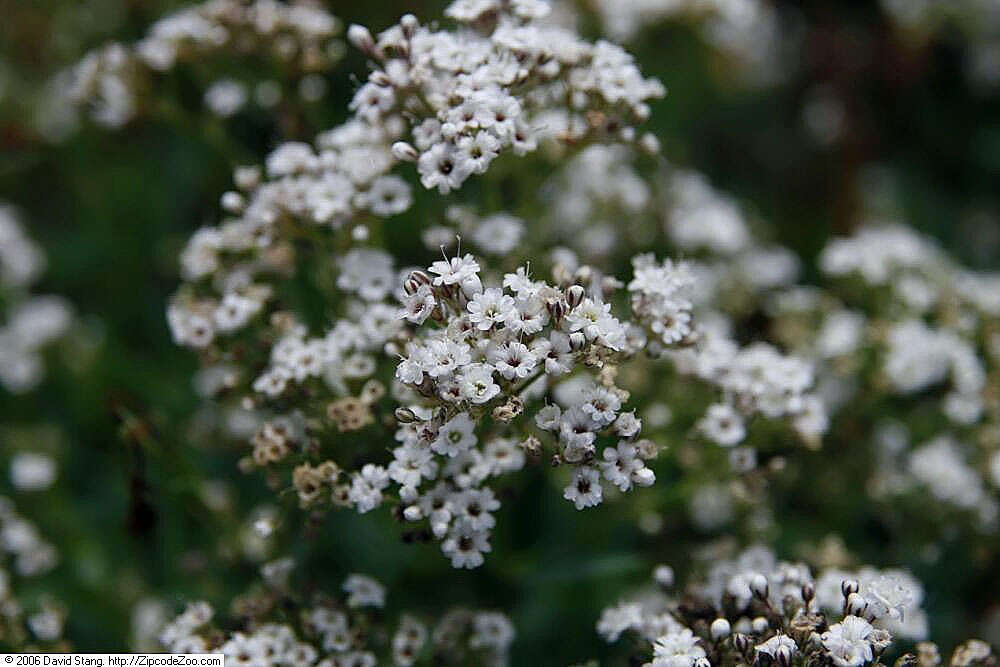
756, 379
24, 554
929, 327
109, 83
747, 32
501, 82
490, 351
334, 632
755, 609
29, 323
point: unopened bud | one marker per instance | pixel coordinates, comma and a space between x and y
380, 78
405, 416
720, 629
783, 656
649, 143
848, 586
808, 592
556, 308
232, 201
420, 277
405, 152
702, 662
361, 38
855, 605
644, 477
742, 642
577, 340
408, 494
759, 625
758, 586
409, 24
575, 295
413, 513
664, 575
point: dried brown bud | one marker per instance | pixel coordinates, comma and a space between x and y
531, 445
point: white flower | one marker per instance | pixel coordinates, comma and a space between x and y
411, 464
491, 630
847, 643
476, 152
723, 425
616, 620
443, 167
513, 360
465, 545
490, 308
779, 641
677, 649
455, 436
476, 383
364, 591
366, 487
456, 271
585, 489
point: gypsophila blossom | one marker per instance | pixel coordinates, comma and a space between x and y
770, 608
337, 630
28, 323
111, 83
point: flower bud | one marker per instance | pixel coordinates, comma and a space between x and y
409, 24
439, 528
472, 286
649, 143
577, 340
556, 308
783, 656
420, 277
702, 662
742, 643
408, 494
575, 295
644, 477
848, 586
232, 202
664, 575
361, 38
758, 586
720, 629
380, 78
404, 152
405, 416
855, 605
759, 625
808, 592
413, 513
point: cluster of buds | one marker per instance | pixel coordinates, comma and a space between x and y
503, 81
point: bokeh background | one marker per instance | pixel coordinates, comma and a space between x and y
865, 115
